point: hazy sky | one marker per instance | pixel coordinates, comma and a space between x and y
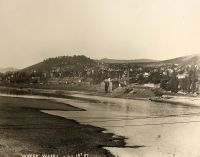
32, 30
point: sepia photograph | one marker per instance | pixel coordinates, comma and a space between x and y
99, 78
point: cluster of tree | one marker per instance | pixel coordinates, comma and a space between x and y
63, 64
187, 83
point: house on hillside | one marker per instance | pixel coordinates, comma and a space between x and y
35, 80
146, 75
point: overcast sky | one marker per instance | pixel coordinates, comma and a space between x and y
32, 30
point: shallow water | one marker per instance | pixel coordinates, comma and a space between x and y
164, 130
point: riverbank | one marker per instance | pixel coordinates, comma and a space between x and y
93, 139
178, 100
26, 130
136, 92
132, 92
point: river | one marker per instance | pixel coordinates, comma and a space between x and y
161, 129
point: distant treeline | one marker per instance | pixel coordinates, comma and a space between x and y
81, 69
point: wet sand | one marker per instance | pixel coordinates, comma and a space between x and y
178, 100
26, 130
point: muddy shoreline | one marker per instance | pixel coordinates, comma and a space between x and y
24, 129
59, 93
178, 100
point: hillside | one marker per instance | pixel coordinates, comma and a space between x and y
80, 63
185, 60
62, 63
4, 70
107, 60
77, 63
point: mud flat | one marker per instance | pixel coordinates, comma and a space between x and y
178, 100
25, 130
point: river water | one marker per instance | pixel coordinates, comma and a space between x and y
163, 130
